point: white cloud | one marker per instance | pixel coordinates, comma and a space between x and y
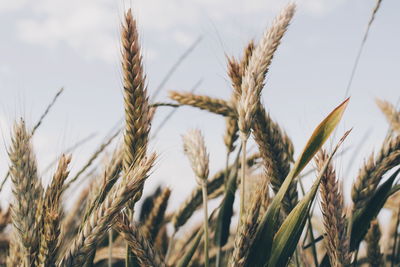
91, 26
7, 5
86, 26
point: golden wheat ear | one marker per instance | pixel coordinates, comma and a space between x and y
137, 110
373, 170
52, 213
195, 149
95, 228
155, 220
28, 193
137, 242
333, 211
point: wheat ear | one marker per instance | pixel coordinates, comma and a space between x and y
253, 82
371, 173
155, 220
138, 243
332, 205
374, 255
276, 150
52, 212
137, 111
213, 105
260, 60
28, 192
247, 230
103, 217
195, 149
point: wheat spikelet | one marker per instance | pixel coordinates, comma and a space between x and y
253, 79
234, 73
52, 215
374, 255
155, 219
248, 51
276, 150
138, 243
102, 218
391, 114
332, 205
210, 104
27, 191
371, 173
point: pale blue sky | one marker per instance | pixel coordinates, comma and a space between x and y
47, 44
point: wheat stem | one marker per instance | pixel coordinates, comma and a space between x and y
243, 180
206, 235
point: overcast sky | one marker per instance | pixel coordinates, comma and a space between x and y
47, 44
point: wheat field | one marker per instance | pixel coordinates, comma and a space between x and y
276, 221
